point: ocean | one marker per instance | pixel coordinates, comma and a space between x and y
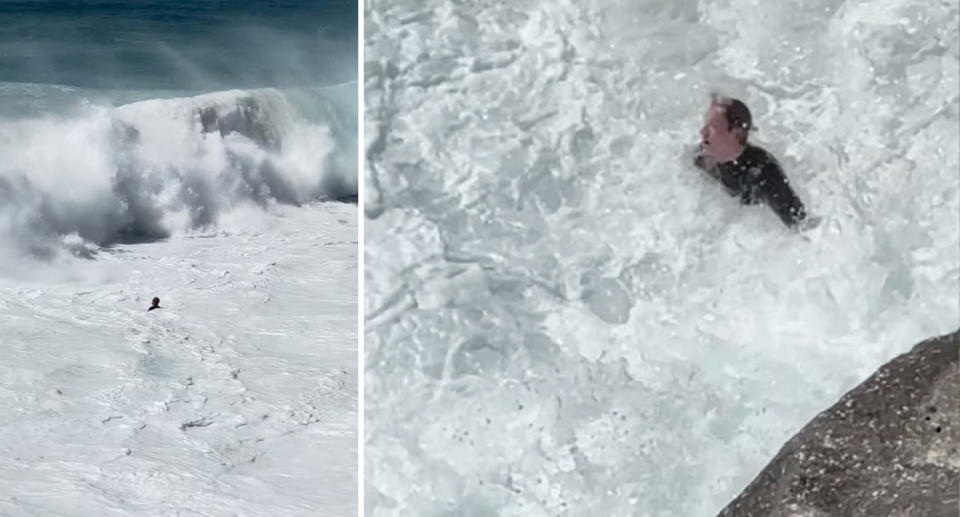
203, 153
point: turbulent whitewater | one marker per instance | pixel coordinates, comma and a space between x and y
238, 397
564, 317
147, 169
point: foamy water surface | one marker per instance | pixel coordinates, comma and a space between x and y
564, 317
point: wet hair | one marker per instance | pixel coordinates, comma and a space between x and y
156, 301
737, 114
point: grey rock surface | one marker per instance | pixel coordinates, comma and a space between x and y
889, 447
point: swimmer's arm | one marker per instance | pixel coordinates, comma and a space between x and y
776, 192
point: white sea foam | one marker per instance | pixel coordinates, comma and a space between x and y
238, 397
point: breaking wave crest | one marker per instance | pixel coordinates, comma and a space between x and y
151, 168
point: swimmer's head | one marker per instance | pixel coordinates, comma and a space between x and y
156, 301
726, 128
737, 114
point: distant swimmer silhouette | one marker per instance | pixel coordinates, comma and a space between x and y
746, 171
156, 304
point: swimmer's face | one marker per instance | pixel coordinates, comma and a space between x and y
717, 140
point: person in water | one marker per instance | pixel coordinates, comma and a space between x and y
746, 171
156, 304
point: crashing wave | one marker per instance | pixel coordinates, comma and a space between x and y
154, 167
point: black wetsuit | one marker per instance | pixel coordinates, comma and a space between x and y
754, 177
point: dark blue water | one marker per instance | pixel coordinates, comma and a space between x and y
178, 45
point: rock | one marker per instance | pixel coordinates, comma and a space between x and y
888, 447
